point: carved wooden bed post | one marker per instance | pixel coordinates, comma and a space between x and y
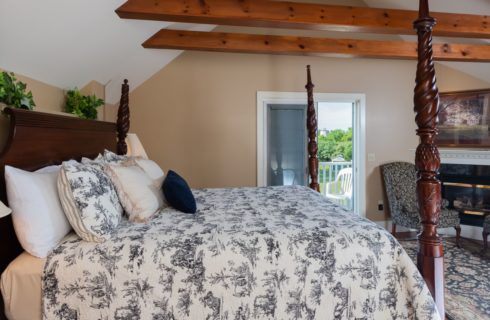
312, 127
430, 252
123, 119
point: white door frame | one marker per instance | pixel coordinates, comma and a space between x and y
359, 124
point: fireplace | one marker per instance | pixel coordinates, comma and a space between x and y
466, 187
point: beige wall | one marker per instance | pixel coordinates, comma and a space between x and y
46, 97
198, 114
95, 88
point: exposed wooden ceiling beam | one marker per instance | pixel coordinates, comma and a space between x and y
281, 14
253, 43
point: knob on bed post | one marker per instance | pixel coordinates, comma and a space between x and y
426, 100
123, 119
312, 128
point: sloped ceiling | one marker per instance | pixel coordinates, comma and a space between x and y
69, 43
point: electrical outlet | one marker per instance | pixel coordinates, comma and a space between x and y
381, 205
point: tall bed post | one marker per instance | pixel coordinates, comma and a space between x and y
123, 119
426, 99
312, 127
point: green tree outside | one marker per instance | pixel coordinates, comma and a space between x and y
336, 143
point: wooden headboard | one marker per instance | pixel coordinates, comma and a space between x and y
39, 139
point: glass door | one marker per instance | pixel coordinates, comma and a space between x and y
335, 152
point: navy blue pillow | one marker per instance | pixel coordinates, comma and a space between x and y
178, 193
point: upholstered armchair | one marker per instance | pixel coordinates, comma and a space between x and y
400, 182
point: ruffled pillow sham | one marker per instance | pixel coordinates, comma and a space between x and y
138, 194
152, 169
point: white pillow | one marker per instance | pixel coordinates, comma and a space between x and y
89, 200
137, 192
49, 169
39, 220
53, 168
152, 169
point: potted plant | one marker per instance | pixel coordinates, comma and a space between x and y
13, 92
82, 106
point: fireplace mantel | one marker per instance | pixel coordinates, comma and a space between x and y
465, 156
468, 157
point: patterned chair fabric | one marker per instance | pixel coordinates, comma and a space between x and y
400, 181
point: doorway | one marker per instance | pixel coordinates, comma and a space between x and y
286, 159
281, 132
335, 152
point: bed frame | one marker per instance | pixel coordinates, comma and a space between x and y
39, 139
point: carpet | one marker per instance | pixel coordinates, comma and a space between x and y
467, 278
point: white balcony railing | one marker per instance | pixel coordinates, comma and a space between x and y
328, 172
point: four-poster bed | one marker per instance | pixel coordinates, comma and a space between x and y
216, 260
430, 258
36, 140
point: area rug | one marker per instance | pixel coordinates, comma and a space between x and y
467, 278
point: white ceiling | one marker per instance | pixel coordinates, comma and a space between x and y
68, 43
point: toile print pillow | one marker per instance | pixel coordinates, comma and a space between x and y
98, 159
111, 157
89, 200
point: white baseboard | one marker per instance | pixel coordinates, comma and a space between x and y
469, 232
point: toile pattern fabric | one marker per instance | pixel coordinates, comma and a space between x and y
400, 181
111, 157
98, 159
248, 253
89, 201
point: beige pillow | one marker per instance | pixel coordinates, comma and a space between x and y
152, 169
139, 196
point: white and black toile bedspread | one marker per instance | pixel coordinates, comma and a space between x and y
249, 253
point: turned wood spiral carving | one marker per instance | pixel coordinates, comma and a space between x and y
123, 119
312, 127
427, 160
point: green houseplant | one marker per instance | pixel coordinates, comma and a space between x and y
13, 92
84, 107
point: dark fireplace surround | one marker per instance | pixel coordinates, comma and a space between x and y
466, 187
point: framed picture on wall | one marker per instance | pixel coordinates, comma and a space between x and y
464, 119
